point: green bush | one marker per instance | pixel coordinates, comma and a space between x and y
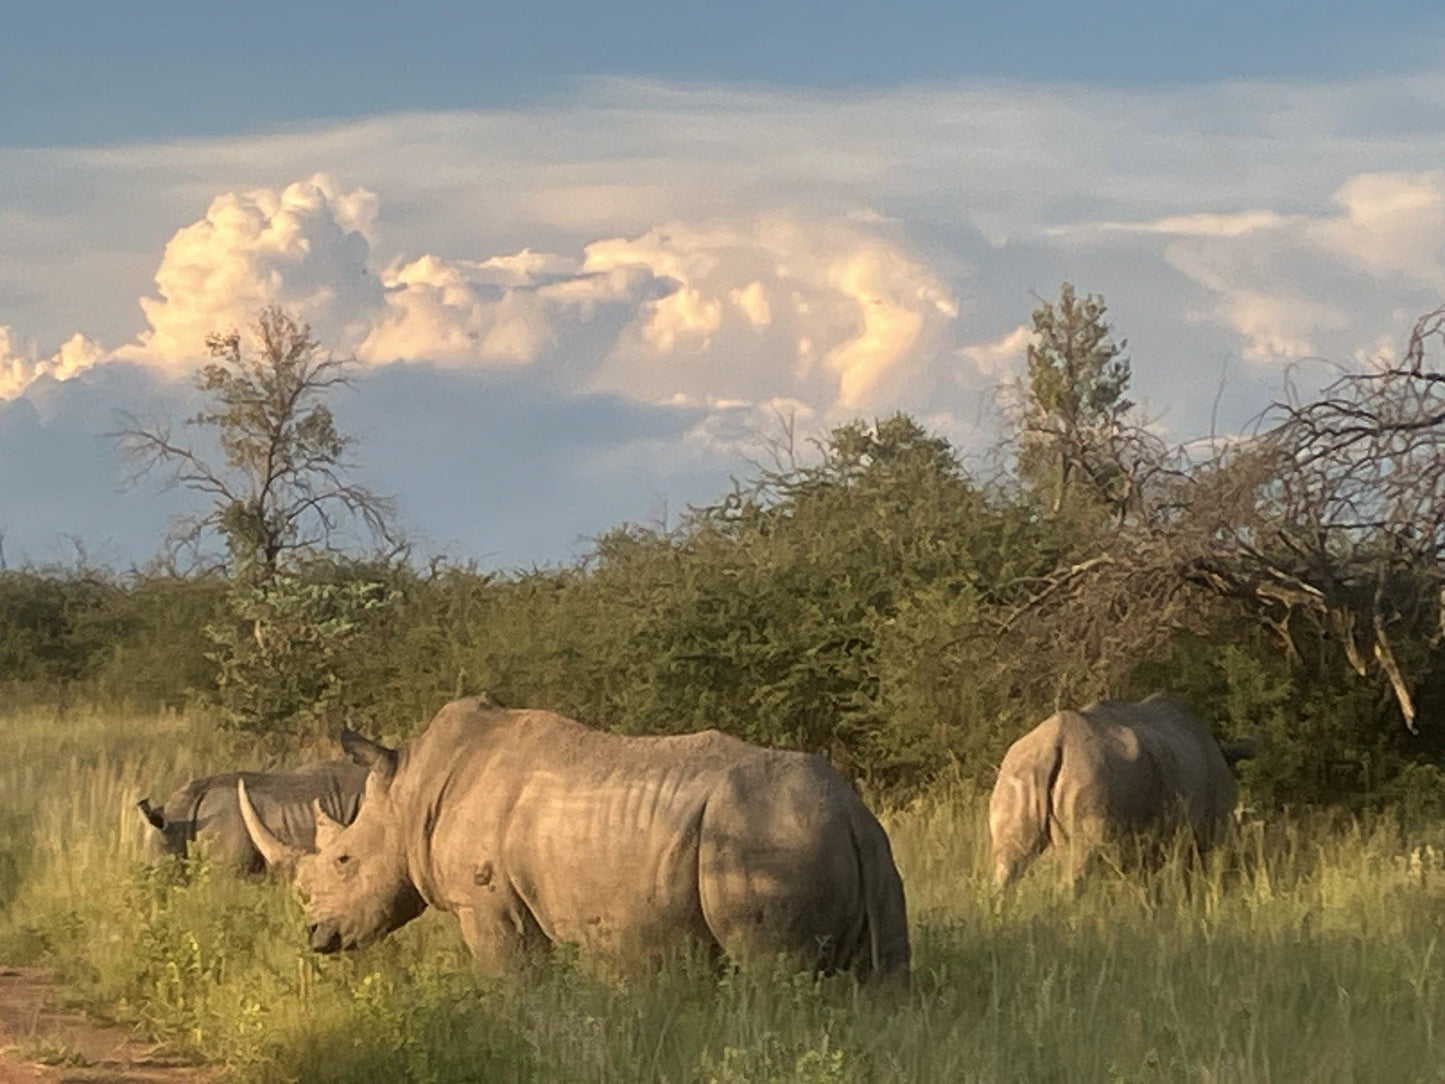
858, 604
44, 634
287, 646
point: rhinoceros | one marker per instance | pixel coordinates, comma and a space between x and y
1115, 770
206, 810
535, 830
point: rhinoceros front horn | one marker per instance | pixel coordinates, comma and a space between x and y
272, 849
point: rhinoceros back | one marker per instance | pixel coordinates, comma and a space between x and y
205, 812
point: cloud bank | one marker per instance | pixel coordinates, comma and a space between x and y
834, 313
688, 262
1294, 286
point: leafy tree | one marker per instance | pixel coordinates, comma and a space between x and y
288, 647
795, 611
1075, 435
153, 652
280, 496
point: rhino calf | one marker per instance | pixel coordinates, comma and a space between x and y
1112, 771
205, 813
535, 830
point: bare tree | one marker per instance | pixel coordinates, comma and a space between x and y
1333, 513
1348, 527
281, 486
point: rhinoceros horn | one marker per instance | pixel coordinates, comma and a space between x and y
327, 826
272, 849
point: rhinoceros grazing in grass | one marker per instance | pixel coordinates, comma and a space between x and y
206, 811
535, 830
1113, 771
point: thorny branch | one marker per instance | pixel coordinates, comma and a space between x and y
1332, 512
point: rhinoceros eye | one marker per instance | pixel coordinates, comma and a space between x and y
343, 864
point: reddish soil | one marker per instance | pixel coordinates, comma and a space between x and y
40, 1041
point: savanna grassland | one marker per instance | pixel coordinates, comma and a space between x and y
1308, 950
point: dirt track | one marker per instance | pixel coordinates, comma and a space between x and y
41, 1042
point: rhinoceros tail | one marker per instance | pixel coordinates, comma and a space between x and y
888, 955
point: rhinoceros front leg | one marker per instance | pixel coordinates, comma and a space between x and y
500, 940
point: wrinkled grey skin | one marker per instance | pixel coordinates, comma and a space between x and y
1114, 771
535, 830
205, 813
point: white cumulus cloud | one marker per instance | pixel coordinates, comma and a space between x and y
453, 311
19, 366
1000, 357
834, 312
772, 308
1392, 224
305, 246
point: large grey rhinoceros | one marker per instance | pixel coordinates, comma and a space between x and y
536, 830
1115, 770
206, 811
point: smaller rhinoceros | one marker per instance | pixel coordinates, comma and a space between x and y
1113, 771
206, 811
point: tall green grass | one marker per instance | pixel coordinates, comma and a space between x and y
1307, 950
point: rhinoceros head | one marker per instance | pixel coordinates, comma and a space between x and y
171, 835
161, 842
355, 882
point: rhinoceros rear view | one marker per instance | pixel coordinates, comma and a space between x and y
536, 830
1111, 770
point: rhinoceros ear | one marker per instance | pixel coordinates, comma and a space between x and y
327, 827
152, 814
369, 754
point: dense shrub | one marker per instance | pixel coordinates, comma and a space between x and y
45, 636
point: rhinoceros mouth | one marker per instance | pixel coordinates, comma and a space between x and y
325, 938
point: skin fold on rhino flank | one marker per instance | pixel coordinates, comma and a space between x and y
1113, 771
535, 830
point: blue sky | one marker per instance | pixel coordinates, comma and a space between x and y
589, 255
96, 73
